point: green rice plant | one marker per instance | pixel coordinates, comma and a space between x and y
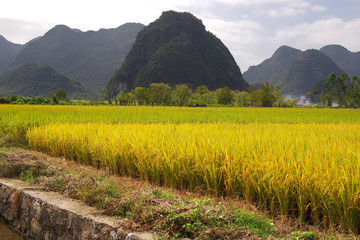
17, 119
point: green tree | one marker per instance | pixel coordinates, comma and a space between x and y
4, 100
13, 98
209, 98
224, 96
268, 94
254, 98
53, 98
61, 94
161, 93
122, 99
340, 90
181, 94
143, 96
202, 90
354, 92
241, 98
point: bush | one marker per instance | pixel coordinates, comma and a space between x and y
4, 100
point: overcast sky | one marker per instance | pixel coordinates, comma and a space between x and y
251, 29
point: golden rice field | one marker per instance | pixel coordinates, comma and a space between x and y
299, 162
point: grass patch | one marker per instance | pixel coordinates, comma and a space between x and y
257, 225
202, 219
303, 235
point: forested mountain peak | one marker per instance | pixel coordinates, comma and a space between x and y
32, 79
310, 67
272, 69
295, 71
175, 49
89, 57
284, 52
347, 60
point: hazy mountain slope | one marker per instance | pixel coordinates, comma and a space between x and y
293, 70
8, 52
346, 60
175, 49
35, 80
274, 68
310, 67
88, 57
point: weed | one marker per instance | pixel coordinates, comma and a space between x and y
26, 174
303, 235
259, 226
57, 185
165, 195
191, 219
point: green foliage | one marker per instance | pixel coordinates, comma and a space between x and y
202, 90
259, 226
224, 96
303, 236
191, 220
161, 93
122, 99
342, 91
187, 224
61, 94
163, 195
181, 94
269, 94
143, 96
99, 194
4, 100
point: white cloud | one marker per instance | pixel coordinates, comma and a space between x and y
322, 32
247, 38
21, 31
242, 37
318, 8
283, 12
286, 8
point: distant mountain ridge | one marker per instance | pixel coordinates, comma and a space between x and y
345, 59
36, 80
277, 65
174, 49
89, 57
309, 68
294, 71
8, 52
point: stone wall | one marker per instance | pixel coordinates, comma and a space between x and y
47, 215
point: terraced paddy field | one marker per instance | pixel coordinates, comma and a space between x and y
304, 163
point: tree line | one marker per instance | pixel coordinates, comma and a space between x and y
161, 94
59, 97
342, 91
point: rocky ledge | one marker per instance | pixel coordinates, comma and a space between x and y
48, 215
